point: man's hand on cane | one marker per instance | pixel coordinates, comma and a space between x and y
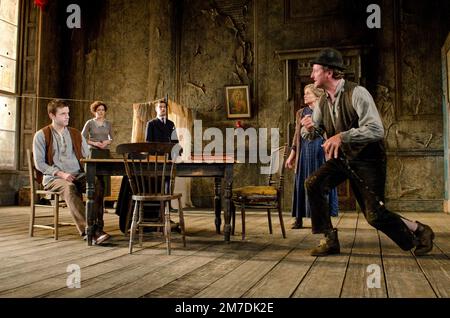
331, 146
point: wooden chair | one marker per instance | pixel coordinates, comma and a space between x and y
263, 197
36, 193
151, 176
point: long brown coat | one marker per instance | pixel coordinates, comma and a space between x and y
296, 141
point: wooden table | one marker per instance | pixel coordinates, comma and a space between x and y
216, 170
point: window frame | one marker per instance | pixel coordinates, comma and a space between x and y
17, 87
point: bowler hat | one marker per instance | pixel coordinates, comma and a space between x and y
330, 57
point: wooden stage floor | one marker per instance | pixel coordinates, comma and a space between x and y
263, 265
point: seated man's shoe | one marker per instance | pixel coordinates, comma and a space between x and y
175, 226
100, 237
298, 224
425, 237
329, 245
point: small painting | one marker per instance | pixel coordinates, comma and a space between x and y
238, 101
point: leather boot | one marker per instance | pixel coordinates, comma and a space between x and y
327, 246
425, 236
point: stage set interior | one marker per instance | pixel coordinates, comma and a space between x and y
193, 52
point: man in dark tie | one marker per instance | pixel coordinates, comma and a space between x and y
161, 129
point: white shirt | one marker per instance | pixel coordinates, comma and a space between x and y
370, 127
162, 119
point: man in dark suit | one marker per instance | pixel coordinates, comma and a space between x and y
161, 129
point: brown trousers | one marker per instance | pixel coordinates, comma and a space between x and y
71, 193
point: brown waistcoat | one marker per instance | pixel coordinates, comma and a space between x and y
348, 119
75, 135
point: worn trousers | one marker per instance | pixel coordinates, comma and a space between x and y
72, 192
367, 180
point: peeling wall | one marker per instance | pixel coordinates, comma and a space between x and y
122, 54
217, 51
402, 72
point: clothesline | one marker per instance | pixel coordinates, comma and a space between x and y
84, 100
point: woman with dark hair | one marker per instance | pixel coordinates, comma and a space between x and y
98, 131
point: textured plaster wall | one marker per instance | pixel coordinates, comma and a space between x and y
216, 51
402, 72
409, 96
122, 54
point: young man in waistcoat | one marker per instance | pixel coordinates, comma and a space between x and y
348, 115
57, 150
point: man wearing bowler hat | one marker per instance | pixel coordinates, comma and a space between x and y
355, 150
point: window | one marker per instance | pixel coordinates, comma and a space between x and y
9, 18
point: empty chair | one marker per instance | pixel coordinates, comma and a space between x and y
263, 197
36, 192
151, 175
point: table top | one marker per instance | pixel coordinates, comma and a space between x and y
120, 160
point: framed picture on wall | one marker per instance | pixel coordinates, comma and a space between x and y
238, 101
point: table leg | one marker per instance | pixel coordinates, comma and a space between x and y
90, 190
218, 203
228, 194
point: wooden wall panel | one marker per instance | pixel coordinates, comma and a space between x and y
29, 84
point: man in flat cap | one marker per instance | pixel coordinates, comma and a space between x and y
348, 115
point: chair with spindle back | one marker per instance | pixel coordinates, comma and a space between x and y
37, 191
151, 175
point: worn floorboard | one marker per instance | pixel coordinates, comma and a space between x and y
364, 277
327, 274
261, 266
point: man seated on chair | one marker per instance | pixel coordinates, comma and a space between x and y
57, 152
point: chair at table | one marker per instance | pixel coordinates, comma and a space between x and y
263, 197
36, 192
151, 175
